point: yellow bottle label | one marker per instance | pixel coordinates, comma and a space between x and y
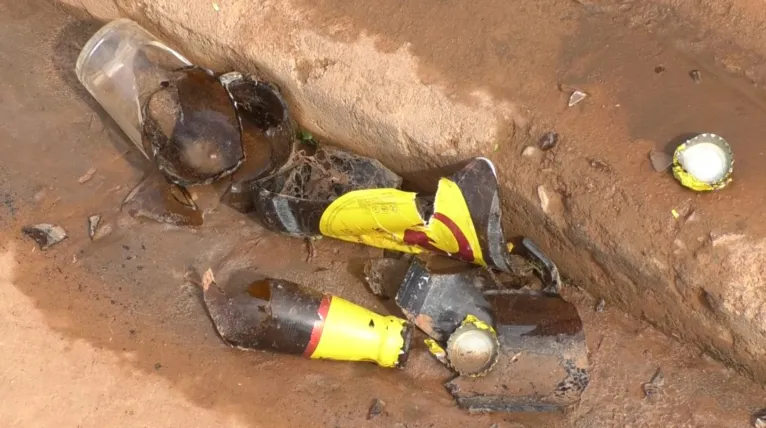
353, 333
389, 218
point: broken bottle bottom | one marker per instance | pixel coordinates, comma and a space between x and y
281, 316
543, 362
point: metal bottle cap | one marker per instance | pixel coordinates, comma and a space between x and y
703, 163
472, 349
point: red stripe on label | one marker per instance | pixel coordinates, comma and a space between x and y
465, 251
316, 332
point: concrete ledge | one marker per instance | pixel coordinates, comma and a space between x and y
424, 84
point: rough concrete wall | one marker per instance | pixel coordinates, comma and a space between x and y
428, 83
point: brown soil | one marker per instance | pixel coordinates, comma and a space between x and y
109, 333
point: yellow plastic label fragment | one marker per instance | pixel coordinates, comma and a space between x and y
470, 319
434, 348
389, 218
354, 333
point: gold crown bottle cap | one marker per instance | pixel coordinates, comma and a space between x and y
472, 349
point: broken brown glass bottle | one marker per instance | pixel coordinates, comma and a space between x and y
294, 201
451, 309
156, 199
543, 363
348, 197
230, 131
282, 316
268, 136
191, 129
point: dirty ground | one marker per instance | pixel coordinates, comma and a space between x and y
110, 333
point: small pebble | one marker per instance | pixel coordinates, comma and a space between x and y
659, 69
599, 165
696, 76
530, 151
576, 97
87, 176
93, 222
45, 235
759, 419
102, 230
660, 160
652, 388
601, 305
549, 140
545, 200
376, 408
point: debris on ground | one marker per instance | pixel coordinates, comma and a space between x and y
352, 198
438, 303
191, 129
660, 160
462, 220
196, 127
436, 351
459, 311
759, 419
545, 200
703, 163
235, 131
87, 176
310, 249
162, 202
472, 349
376, 408
268, 136
230, 137
384, 276
599, 165
543, 358
530, 151
297, 201
93, 223
548, 140
576, 97
282, 316
545, 266
45, 235
696, 76
98, 228
654, 386
601, 305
